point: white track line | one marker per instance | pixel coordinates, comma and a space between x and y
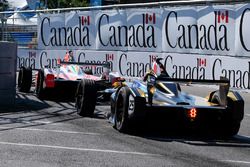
238, 162
46, 130
79, 149
248, 115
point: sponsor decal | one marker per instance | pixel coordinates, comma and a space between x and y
109, 57
97, 70
221, 16
244, 24
197, 36
65, 35
132, 67
150, 19
239, 78
201, 62
142, 36
47, 60
85, 20
184, 71
27, 61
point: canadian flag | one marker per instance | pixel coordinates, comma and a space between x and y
85, 20
222, 16
150, 18
109, 57
153, 58
201, 62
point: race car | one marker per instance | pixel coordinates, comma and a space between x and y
222, 110
71, 79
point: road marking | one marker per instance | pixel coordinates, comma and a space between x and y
46, 130
238, 162
42, 122
248, 115
80, 149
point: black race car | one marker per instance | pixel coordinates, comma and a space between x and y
163, 100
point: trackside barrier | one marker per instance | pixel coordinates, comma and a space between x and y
196, 39
8, 57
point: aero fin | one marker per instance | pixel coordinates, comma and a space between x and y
223, 91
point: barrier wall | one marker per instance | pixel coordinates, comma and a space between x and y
8, 61
210, 29
136, 64
195, 41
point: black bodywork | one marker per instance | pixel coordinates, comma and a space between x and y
222, 110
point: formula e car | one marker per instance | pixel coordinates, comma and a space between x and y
221, 110
71, 79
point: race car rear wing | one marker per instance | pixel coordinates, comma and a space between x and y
223, 83
107, 64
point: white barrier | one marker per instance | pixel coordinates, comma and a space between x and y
210, 29
196, 39
136, 64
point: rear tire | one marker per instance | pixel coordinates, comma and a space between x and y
86, 98
40, 91
24, 79
229, 126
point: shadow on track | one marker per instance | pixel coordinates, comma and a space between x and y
190, 137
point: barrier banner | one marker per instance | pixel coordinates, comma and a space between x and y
144, 30
180, 30
52, 32
80, 30
242, 32
133, 65
212, 29
111, 30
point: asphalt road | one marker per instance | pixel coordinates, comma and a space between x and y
47, 133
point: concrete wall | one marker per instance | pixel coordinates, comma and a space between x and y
8, 55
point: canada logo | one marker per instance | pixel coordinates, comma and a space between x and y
221, 16
150, 18
109, 57
85, 20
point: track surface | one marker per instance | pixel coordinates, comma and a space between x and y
48, 133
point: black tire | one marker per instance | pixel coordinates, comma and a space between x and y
229, 126
121, 110
24, 79
40, 91
86, 98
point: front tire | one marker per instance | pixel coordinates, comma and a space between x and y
121, 110
86, 98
